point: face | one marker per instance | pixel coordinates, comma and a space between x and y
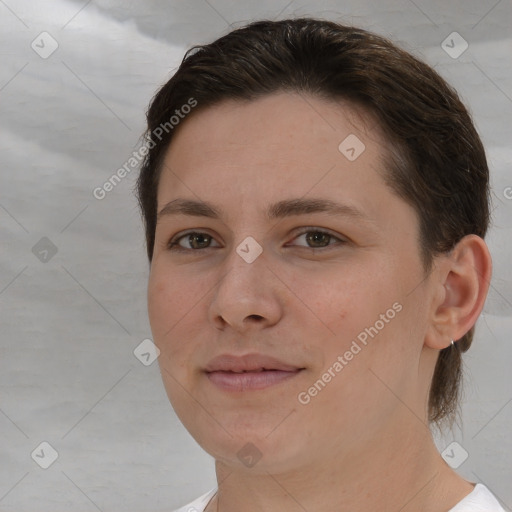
287, 331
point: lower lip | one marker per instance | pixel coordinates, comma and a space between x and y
248, 381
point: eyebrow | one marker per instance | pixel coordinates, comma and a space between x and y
285, 208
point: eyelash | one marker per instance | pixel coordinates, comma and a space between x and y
174, 246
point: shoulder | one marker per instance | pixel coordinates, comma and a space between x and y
199, 504
480, 499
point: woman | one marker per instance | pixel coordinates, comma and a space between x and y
315, 202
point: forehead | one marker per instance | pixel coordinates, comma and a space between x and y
284, 144
278, 119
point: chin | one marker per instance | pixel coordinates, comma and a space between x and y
252, 449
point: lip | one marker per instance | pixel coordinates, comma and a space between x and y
247, 363
248, 372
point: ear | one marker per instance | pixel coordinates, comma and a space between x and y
461, 288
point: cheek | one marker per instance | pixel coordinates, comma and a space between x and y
177, 313
352, 307
168, 304
349, 300
168, 294
159, 304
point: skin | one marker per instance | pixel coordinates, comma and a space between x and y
363, 442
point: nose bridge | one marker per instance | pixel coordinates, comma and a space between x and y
248, 233
245, 263
245, 289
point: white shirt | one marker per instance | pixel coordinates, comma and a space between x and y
480, 499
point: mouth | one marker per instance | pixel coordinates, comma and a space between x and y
250, 380
249, 372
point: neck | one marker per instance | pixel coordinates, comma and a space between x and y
404, 472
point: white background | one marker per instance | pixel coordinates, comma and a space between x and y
68, 375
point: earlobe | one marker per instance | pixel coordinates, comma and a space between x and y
464, 278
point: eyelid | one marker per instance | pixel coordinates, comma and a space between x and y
174, 242
174, 245
315, 229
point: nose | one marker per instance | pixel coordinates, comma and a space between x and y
248, 295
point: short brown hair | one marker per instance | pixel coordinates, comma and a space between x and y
435, 162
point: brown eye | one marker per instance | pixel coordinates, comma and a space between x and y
196, 240
318, 239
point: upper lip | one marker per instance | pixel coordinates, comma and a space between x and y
247, 363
